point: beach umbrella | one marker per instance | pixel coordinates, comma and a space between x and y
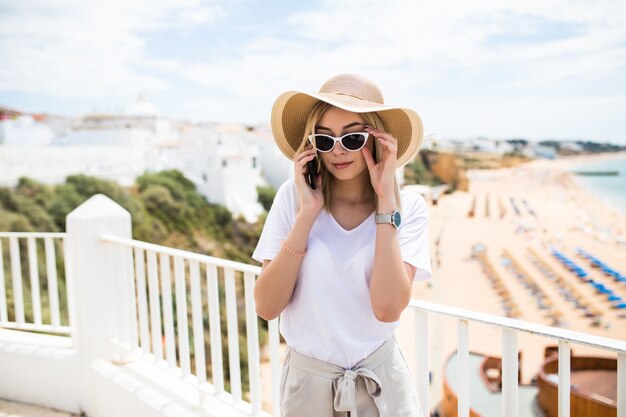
620, 305
614, 297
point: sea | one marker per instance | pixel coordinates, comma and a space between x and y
610, 188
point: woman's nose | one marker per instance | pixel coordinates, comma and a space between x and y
339, 149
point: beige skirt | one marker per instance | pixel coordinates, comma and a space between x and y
378, 386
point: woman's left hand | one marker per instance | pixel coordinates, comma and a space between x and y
382, 173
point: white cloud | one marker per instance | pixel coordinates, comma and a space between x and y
516, 50
73, 48
429, 55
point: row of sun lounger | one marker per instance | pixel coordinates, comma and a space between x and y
541, 299
616, 300
597, 263
502, 208
510, 307
568, 291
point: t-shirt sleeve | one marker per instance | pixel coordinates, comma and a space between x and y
278, 222
413, 235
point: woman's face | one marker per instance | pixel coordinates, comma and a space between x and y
341, 163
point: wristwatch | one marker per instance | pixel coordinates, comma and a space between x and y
392, 218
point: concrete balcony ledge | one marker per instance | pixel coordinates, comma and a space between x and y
39, 369
33, 341
143, 388
44, 370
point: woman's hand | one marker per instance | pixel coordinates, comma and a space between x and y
311, 201
382, 174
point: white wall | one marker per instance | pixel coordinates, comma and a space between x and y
24, 131
51, 164
39, 369
225, 164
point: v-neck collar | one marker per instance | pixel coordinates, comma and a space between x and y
353, 229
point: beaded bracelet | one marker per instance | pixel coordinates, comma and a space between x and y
291, 251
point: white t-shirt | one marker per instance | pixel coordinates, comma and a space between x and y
330, 316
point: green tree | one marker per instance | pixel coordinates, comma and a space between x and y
266, 196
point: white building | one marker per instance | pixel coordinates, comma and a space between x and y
24, 131
277, 168
115, 147
225, 164
480, 144
534, 150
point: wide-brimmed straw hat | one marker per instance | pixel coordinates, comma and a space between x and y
353, 93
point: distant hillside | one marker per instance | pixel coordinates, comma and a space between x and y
165, 207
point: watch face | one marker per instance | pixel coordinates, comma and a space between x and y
396, 219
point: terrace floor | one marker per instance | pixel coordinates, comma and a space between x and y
15, 409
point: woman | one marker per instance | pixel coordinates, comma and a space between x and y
339, 256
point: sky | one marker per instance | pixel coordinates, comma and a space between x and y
549, 69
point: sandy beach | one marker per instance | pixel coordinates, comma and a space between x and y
566, 216
554, 211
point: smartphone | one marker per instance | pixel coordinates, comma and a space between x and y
312, 172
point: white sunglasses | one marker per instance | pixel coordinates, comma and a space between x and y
351, 141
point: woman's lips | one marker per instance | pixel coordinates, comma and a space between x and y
342, 166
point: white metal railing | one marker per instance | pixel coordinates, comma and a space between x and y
163, 318
152, 325
510, 330
15, 313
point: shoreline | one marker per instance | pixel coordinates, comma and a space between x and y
565, 164
573, 160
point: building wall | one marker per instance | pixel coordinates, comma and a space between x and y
51, 164
24, 131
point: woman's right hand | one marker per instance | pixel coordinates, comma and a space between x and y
311, 201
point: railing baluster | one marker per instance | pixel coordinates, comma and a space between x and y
463, 369
564, 378
275, 363
33, 270
621, 385
215, 328
131, 288
233, 334
252, 328
4, 315
181, 315
168, 312
140, 273
198, 328
155, 307
69, 285
510, 369
53, 290
16, 276
421, 353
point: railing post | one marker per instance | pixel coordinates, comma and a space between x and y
564, 378
463, 405
421, 351
621, 385
510, 372
101, 285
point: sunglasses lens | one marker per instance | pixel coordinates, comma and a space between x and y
354, 142
323, 143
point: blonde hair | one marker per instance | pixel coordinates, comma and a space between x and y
371, 119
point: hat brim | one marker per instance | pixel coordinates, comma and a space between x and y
292, 108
